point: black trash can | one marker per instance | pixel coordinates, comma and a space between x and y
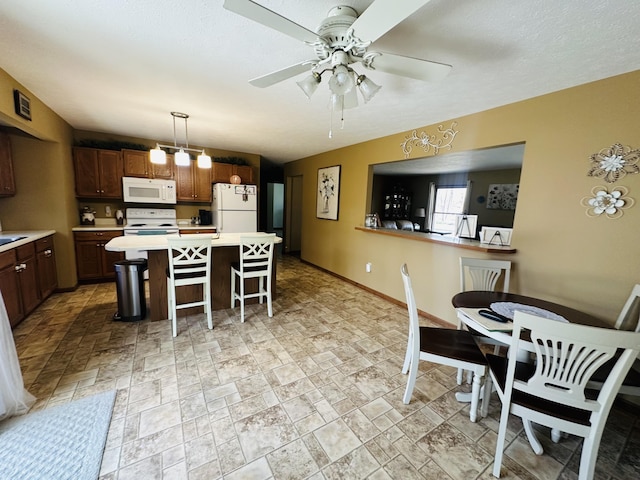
132, 304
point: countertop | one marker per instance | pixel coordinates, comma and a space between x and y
30, 236
159, 242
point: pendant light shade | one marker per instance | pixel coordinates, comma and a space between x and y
204, 160
181, 158
158, 156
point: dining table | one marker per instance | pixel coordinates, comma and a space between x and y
468, 305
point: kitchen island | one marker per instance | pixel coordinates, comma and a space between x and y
225, 251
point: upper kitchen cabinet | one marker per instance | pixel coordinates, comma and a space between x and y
98, 172
222, 172
7, 180
137, 164
193, 184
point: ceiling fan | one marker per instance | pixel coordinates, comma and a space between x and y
343, 38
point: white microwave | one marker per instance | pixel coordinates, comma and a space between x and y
148, 190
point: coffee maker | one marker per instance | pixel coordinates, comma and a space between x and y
205, 217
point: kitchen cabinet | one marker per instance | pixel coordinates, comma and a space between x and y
93, 262
222, 172
7, 179
46, 263
137, 164
19, 281
98, 172
193, 184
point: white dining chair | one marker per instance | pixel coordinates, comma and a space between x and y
256, 261
189, 264
446, 346
482, 274
628, 320
552, 390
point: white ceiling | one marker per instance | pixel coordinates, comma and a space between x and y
121, 66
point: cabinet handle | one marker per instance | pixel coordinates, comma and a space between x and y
18, 268
47, 253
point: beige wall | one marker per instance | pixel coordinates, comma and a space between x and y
43, 175
563, 255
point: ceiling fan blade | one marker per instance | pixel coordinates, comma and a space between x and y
270, 19
282, 74
382, 16
411, 67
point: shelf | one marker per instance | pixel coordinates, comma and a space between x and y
441, 240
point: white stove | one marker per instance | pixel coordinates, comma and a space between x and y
149, 221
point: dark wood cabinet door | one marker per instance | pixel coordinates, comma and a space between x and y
136, 163
11, 293
245, 172
221, 172
47, 274
202, 185
7, 179
184, 183
85, 163
111, 171
107, 260
28, 278
88, 261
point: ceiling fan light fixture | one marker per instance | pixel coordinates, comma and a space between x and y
181, 158
341, 81
367, 87
310, 84
204, 160
158, 156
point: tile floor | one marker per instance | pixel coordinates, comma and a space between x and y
314, 392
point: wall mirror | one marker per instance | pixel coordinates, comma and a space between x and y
431, 194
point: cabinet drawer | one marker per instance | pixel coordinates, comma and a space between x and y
7, 258
97, 235
24, 252
44, 244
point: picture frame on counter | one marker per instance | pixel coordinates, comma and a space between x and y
496, 236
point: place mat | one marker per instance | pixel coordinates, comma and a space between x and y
508, 309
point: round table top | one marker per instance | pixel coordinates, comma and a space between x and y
482, 299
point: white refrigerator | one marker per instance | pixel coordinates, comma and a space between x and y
233, 209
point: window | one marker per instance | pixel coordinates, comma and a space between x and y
449, 203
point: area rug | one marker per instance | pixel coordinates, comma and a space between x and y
63, 442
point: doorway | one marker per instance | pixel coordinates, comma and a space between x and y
293, 215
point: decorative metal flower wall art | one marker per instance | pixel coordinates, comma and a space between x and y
613, 163
610, 203
428, 142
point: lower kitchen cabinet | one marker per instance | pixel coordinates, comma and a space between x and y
46, 263
93, 262
19, 281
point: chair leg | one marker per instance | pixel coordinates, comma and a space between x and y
536, 446
242, 299
502, 434
233, 288
269, 300
475, 397
206, 295
261, 289
486, 395
460, 374
411, 381
407, 356
589, 456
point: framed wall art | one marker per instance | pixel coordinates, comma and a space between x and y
22, 104
503, 196
328, 193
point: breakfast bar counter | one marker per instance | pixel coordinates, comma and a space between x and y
225, 252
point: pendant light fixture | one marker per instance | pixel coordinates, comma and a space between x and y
181, 157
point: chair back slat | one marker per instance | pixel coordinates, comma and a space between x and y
189, 258
484, 274
629, 318
566, 357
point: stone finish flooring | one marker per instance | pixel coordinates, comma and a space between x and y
314, 392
